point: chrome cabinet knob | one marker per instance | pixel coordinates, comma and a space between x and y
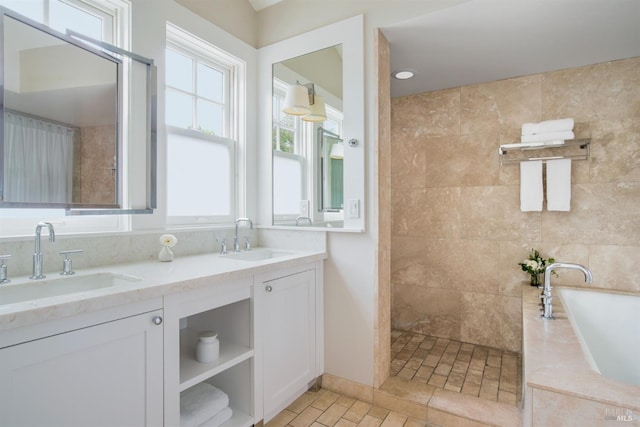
268, 288
157, 320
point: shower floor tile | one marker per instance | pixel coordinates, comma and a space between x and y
465, 368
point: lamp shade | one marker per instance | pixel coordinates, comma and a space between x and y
318, 111
296, 101
337, 151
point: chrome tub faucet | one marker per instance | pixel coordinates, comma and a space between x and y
37, 254
547, 306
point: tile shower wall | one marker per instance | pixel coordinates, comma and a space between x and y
457, 229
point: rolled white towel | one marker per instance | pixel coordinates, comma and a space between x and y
558, 125
549, 136
201, 402
218, 419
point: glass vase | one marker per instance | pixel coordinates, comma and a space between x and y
537, 279
165, 254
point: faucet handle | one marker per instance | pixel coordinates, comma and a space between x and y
3, 269
223, 245
67, 266
247, 244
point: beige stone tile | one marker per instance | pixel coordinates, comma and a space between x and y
409, 215
471, 408
460, 366
346, 401
504, 104
301, 403
370, 421
614, 267
464, 356
437, 380
357, 411
492, 319
494, 361
424, 371
443, 418
345, 423
491, 373
407, 373
282, 419
306, 418
433, 113
408, 260
602, 214
412, 422
432, 361
477, 364
442, 369
470, 388
347, 388
507, 397
325, 400
332, 415
442, 205
378, 412
426, 310
604, 91
394, 419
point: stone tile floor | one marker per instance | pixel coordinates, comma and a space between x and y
470, 369
325, 408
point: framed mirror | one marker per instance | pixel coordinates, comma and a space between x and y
62, 135
317, 181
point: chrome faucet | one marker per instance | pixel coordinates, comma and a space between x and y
37, 255
547, 307
236, 244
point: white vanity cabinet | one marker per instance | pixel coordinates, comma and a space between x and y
289, 322
225, 308
107, 373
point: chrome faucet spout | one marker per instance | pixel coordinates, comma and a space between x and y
236, 243
546, 298
37, 254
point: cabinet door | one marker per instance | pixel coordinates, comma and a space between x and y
288, 339
105, 375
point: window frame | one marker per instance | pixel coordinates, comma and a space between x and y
188, 44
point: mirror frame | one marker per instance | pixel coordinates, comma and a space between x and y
107, 52
349, 33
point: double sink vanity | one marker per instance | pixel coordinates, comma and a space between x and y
117, 346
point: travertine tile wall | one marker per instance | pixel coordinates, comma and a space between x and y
457, 229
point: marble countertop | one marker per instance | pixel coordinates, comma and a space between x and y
157, 280
553, 358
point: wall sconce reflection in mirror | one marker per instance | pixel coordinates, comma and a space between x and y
302, 100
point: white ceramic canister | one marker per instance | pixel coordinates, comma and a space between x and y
208, 347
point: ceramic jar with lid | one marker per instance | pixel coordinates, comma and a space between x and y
208, 347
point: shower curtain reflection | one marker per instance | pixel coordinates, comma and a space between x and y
38, 160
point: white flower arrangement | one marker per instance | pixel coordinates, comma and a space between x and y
168, 240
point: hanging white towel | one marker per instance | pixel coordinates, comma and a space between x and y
201, 402
559, 185
557, 125
531, 186
548, 136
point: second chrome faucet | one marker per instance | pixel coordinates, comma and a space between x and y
547, 306
236, 243
37, 254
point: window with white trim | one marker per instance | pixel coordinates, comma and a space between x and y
201, 107
106, 20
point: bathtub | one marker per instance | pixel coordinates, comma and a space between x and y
608, 328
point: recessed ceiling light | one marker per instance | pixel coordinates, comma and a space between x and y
404, 74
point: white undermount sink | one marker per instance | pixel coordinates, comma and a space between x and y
50, 287
259, 254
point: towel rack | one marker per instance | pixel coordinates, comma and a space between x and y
577, 149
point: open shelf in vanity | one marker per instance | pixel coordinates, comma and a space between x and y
226, 310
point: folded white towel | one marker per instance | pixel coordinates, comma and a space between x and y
558, 125
548, 136
201, 402
218, 419
531, 186
559, 185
